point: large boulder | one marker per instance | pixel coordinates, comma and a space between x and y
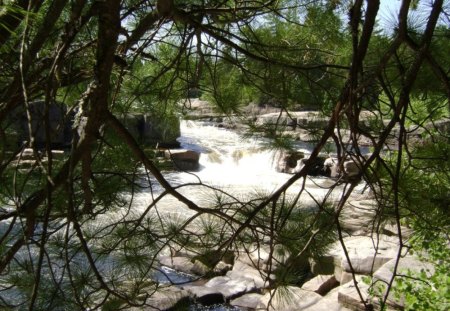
152, 130
60, 124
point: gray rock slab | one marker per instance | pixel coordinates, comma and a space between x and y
365, 253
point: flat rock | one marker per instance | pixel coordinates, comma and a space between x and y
230, 287
247, 301
366, 254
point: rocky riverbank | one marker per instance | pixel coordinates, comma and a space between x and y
246, 281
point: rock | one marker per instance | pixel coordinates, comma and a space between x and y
357, 216
321, 284
288, 161
348, 295
351, 168
288, 298
200, 268
164, 299
231, 287
184, 159
328, 303
182, 264
255, 257
59, 124
361, 251
247, 301
365, 258
331, 164
222, 267
221, 288
243, 271
323, 265
205, 295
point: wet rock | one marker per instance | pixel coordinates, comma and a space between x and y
288, 161
183, 159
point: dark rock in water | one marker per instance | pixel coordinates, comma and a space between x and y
288, 161
183, 159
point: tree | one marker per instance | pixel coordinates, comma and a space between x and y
71, 236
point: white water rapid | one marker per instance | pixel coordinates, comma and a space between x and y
241, 167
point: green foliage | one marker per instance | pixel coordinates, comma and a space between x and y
427, 290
